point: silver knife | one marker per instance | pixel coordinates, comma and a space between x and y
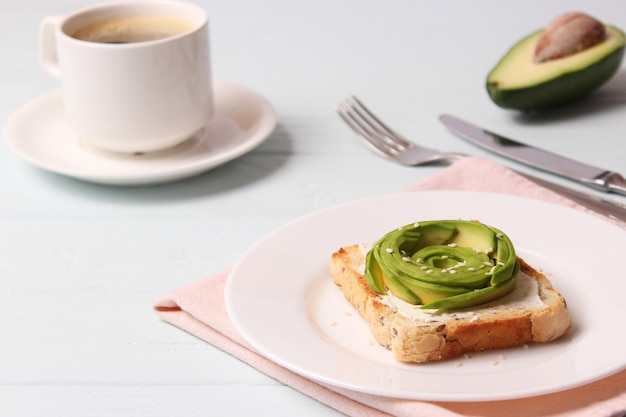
598, 178
611, 209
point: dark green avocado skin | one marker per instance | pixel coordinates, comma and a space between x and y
564, 89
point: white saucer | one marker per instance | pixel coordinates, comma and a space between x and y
37, 132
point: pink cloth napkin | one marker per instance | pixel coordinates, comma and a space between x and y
199, 309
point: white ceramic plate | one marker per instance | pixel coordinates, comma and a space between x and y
281, 298
37, 132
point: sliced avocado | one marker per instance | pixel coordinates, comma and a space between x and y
380, 279
428, 292
400, 291
474, 235
507, 263
441, 246
516, 82
374, 274
473, 298
393, 284
427, 233
437, 261
446, 259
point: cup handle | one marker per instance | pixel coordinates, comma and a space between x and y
48, 56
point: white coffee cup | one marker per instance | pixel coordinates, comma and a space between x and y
149, 92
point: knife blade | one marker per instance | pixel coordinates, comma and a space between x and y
589, 175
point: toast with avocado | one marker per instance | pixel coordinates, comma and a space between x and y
440, 289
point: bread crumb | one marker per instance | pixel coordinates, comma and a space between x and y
502, 357
347, 313
494, 363
333, 324
371, 342
458, 364
467, 355
525, 346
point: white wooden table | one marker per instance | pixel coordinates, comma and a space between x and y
81, 264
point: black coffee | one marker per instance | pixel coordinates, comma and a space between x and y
133, 29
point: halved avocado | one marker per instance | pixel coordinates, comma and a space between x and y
516, 82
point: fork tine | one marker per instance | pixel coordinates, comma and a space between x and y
370, 129
378, 125
385, 141
348, 115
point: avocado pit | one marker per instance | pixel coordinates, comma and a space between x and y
568, 34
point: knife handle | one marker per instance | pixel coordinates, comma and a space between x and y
614, 182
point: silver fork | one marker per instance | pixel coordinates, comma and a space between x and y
388, 143
385, 141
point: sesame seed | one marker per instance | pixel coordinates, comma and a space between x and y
416, 225
430, 271
418, 260
424, 268
471, 269
499, 236
452, 245
406, 259
389, 250
444, 256
452, 271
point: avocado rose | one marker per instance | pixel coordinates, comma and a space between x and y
444, 264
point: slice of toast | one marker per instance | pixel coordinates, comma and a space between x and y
533, 312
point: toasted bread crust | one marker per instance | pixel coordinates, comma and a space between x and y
449, 336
